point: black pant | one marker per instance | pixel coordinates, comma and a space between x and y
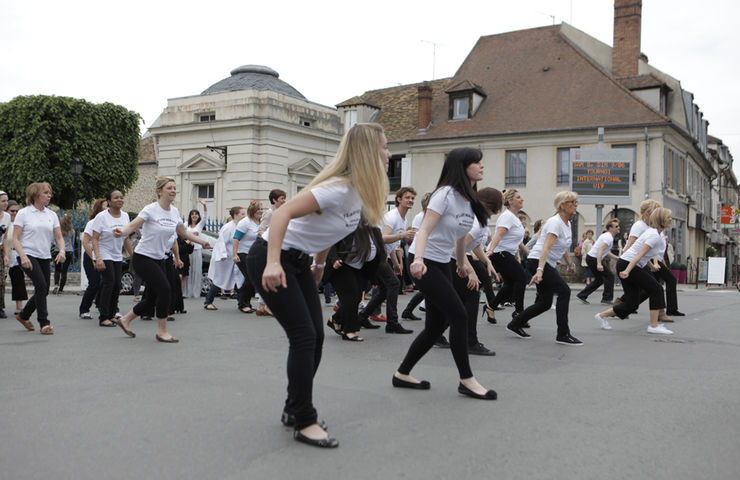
173, 277
60, 271
442, 305
157, 293
40, 275
637, 286
606, 278
514, 277
486, 281
671, 297
93, 285
552, 283
246, 292
471, 298
110, 288
387, 290
17, 283
348, 283
298, 310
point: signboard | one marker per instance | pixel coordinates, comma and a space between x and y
728, 215
716, 269
601, 176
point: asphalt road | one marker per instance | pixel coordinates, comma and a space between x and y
90, 403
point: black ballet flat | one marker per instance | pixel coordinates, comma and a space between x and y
288, 419
422, 385
490, 395
328, 442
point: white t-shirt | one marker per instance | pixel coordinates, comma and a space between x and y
638, 228
357, 263
340, 206
514, 233
110, 247
5, 220
11, 246
89, 231
38, 231
650, 237
197, 229
605, 238
480, 236
416, 222
247, 230
159, 225
561, 230
393, 219
456, 219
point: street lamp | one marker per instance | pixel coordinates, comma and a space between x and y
76, 167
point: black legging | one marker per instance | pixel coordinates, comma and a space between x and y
486, 282
471, 298
514, 277
640, 284
604, 277
442, 305
246, 292
40, 275
157, 286
110, 288
93, 285
60, 270
348, 282
552, 283
298, 310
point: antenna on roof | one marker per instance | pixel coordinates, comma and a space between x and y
552, 17
434, 56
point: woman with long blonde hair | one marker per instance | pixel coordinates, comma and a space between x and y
279, 262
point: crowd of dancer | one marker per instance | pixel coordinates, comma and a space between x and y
280, 255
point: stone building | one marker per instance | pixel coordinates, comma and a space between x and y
240, 138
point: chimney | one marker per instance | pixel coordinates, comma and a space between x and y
425, 105
627, 25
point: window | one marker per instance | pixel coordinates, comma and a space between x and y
674, 170
305, 122
350, 119
516, 168
563, 167
633, 147
460, 108
205, 191
206, 117
394, 172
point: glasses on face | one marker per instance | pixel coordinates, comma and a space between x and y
574, 202
12, 211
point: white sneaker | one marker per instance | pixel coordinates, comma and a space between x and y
604, 323
660, 329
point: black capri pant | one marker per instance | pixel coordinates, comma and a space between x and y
298, 310
552, 283
638, 279
40, 275
110, 288
158, 287
17, 284
514, 277
442, 305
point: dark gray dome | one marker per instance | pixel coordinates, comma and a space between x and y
253, 77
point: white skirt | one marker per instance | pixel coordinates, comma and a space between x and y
194, 282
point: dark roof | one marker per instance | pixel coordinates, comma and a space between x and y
534, 80
639, 82
354, 101
253, 77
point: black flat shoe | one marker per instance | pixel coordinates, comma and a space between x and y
365, 323
356, 338
288, 419
422, 385
409, 316
490, 395
676, 314
395, 327
328, 442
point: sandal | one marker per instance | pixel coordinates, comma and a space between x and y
337, 328
47, 330
247, 310
109, 324
26, 323
356, 338
210, 306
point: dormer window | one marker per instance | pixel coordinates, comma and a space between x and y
465, 98
206, 117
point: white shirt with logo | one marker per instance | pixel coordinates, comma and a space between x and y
456, 219
110, 247
159, 226
514, 235
561, 230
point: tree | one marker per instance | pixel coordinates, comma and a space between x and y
41, 135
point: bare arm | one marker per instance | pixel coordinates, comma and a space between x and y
99, 264
500, 232
643, 251
546, 247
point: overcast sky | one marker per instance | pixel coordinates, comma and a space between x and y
140, 53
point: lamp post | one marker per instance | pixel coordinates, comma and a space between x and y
76, 167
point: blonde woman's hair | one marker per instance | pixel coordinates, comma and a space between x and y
65, 224
648, 205
564, 197
509, 195
162, 181
658, 217
358, 164
34, 190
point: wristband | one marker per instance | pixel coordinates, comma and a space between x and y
316, 266
540, 269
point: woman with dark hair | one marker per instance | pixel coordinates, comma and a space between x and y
507, 241
484, 270
88, 263
279, 262
192, 281
109, 255
157, 221
60, 269
15, 272
34, 230
353, 261
552, 245
244, 236
452, 209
